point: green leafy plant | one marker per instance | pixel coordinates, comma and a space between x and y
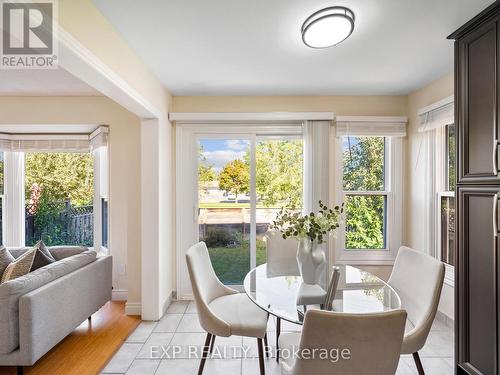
314, 227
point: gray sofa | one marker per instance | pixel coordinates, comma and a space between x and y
41, 308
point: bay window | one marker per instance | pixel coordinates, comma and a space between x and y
51, 185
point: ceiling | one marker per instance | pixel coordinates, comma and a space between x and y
254, 47
43, 82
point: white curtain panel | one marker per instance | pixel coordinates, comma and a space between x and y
316, 163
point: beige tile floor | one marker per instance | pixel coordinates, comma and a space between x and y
179, 327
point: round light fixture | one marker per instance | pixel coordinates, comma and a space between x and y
327, 27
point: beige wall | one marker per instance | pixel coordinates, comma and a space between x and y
86, 24
107, 63
415, 174
124, 168
341, 105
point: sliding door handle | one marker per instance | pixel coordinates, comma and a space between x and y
495, 215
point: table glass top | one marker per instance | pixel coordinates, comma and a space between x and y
286, 297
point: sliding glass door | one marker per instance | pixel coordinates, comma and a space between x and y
236, 205
234, 183
224, 205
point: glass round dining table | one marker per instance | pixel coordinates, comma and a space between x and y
288, 297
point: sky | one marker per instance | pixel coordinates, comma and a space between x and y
219, 152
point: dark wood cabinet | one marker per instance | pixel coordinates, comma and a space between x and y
477, 269
477, 103
477, 313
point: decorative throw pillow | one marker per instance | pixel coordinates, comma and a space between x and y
6, 258
20, 267
42, 257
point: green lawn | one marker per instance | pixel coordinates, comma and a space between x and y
232, 264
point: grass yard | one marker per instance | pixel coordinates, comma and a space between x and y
232, 264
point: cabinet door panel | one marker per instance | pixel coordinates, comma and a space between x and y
478, 85
477, 312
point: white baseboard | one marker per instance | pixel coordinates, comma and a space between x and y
133, 308
166, 304
119, 295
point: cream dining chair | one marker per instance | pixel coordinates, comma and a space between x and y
281, 261
352, 344
281, 255
418, 280
222, 311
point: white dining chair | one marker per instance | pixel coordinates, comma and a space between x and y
355, 344
222, 311
281, 255
418, 280
281, 260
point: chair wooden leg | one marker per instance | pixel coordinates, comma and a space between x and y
261, 357
418, 363
20, 370
266, 346
212, 344
278, 332
204, 353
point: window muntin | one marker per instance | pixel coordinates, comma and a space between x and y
364, 182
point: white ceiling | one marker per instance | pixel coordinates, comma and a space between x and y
253, 47
42, 82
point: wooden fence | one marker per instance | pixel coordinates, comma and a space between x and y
60, 223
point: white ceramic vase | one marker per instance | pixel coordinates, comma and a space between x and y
311, 259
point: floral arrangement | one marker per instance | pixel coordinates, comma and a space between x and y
314, 227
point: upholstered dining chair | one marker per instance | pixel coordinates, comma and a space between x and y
222, 311
281, 255
281, 261
418, 279
352, 344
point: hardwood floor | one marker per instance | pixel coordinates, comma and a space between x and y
87, 349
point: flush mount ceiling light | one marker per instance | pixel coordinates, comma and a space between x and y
327, 27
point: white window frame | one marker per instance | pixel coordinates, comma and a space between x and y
101, 183
394, 213
440, 168
14, 203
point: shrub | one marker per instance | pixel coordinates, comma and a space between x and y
218, 237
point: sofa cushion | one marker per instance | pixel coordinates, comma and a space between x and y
20, 267
42, 256
6, 258
61, 252
11, 291
16, 252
